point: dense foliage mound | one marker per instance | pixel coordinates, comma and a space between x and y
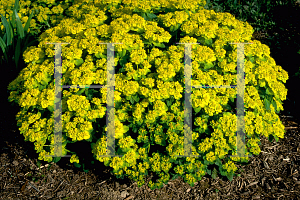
149, 88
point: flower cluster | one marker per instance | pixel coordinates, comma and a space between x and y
229, 167
126, 143
173, 20
43, 17
74, 158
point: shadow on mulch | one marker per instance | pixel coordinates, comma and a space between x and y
273, 174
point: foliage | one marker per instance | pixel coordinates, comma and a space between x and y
258, 13
47, 13
10, 38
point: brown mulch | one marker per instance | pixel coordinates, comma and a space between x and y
273, 174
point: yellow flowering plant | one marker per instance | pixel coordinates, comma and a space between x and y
149, 88
47, 13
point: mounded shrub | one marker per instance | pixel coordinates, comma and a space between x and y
149, 110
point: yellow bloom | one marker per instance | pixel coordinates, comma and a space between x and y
211, 156
74, 158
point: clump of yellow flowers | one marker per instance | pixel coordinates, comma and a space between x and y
150, 86
47, 13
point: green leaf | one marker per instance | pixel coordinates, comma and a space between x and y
268, 91
131, 100
77, 165
223, 173
16, 6
230, 176
51, 108
80, 91
276, 138
144, 16
197, 110
275, 106
3, 47
252, 59
123, 53
151, 15
98, 55
86, 92
136, 98
208, 42
46, 81
19, 25
267, 104
56, 159
218, 162
159, 45
8, 30
208, 171
168, 102
123, 60
129, 49
172, 28
41, 87
208, 65
28, 22
175, 176
78, 62
17, 52
13, 23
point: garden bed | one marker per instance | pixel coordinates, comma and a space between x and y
273, 174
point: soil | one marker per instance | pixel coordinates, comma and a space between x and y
273, 174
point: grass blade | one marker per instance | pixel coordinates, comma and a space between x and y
8, 30
3, 47
17, 52
24, 47
13, 23
19, 25
16, 6
28, 22
4, 38
12, 33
